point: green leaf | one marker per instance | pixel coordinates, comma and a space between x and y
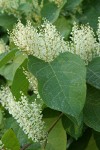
61, 83
8, 71
90, 8
7, 21
93, 73
72, 128
6, 57
57, 136
20, 83
63, 26
10, 140
82, 142
21, 136
91, 144
50, 11
92, 108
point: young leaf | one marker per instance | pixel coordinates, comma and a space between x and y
93, 73
61, 83
10, 140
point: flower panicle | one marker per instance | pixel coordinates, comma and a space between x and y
27, 115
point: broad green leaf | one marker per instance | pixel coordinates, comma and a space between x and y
91, 144
93, 73
6, 57
92, 108
61, 83
50, 11
57, 136
8, 71
72, 128
10, 140
7, 21
20, 83
82, 142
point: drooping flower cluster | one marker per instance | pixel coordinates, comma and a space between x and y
83, 42
3, 47
27, 115
45, 44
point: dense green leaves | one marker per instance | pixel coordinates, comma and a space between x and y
61, 82
10, 140
92, 108
93, 73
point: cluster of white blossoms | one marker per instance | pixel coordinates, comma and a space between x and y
45, 44
27, 115
3, 47
83, 42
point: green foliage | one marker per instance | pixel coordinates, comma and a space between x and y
92, 108
70, 107
57, 78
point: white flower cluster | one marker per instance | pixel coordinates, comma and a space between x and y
83, 42
27, 115
33, 83
3, 47
45, 44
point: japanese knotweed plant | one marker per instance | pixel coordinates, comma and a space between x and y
45, 69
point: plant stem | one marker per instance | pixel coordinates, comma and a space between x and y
25, 146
